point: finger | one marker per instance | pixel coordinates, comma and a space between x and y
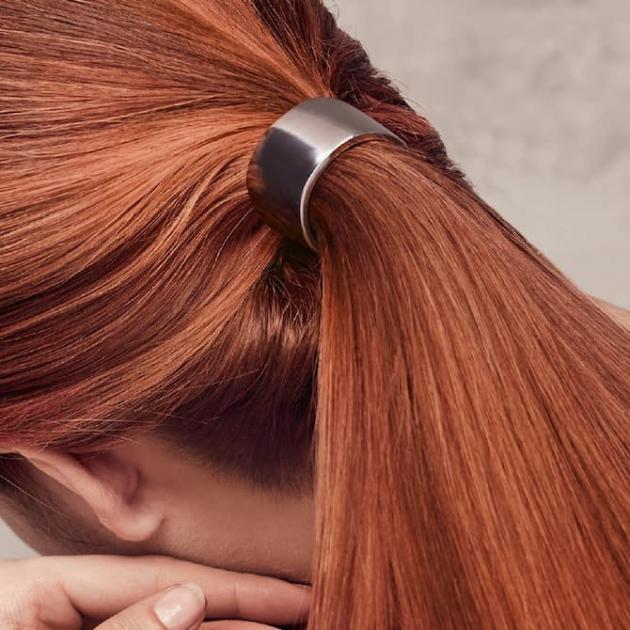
182, 607
101, 586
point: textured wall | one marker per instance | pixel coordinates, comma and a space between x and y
532, 98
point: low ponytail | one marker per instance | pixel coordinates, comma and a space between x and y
472, 416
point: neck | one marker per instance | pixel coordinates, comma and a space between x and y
620, 315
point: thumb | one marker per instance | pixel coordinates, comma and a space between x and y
181, 607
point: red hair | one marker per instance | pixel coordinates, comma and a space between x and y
459, 407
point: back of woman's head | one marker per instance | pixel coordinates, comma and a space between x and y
459, 407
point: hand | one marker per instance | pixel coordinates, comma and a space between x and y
141, 593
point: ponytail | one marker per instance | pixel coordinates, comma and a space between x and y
471, 404
471, 419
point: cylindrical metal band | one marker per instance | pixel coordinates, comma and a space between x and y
295, 151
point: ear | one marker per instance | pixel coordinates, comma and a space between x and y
112, 486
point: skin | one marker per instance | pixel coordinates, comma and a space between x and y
622, 316
147, 498
141, 594
142, 498
150, 502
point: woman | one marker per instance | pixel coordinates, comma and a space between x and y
423, 419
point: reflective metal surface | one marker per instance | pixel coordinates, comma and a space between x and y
295, 151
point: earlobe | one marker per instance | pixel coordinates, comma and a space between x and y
110, 484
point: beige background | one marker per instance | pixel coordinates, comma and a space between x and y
533, 100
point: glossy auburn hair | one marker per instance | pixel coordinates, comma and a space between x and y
459, 407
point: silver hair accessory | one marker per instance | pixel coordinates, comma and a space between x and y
295, 151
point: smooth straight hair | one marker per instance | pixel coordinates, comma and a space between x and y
458, 407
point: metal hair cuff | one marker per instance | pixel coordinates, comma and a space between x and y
295, 151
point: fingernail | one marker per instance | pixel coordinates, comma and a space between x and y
181, 607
